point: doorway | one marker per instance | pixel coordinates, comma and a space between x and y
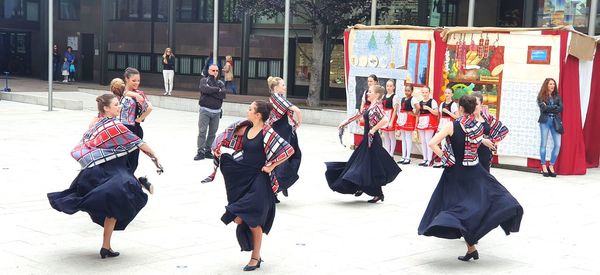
87, 56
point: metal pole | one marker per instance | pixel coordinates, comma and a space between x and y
373, 12
286, 41
593, 14
104, 44
216, 32
471, 13
172, 25
50, 53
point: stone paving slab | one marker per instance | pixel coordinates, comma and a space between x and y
316, 231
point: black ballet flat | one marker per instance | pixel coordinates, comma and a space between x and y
253, 267
424, 164
358, 193
468, 256
376, 199
146, 184
552, 174
108, 253
284, 192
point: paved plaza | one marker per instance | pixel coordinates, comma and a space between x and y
316, 231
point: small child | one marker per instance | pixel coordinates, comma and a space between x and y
65, 70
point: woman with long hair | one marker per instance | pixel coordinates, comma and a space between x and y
106, 188
249, 181
135, 108
390, 105
228, 74
406, 122
468, 201
551, 107
427, 124
370, 167
168, 70
285, 118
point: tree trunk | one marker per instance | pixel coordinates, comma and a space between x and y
316, 77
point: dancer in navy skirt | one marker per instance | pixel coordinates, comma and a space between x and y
468, 202
249, 181
285, 124
370, 166
493, 130
106, 188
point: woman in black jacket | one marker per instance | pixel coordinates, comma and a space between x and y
550, 108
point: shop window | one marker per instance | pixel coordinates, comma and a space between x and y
417, 62
68, 9
401, 13
111, 61
237, 64
443, 13
185, 65
133, 9
227, 9
133, 61
121, 61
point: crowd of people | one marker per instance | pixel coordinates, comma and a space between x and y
467, 203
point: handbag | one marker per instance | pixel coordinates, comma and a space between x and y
71, 68
558, 125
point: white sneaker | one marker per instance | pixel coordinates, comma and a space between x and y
166, 93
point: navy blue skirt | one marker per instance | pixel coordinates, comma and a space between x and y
106, 190
287, 172
469, 202
249, 196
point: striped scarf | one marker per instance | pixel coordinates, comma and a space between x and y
275, 148
281, 107
473, 137
375, 116
108, 139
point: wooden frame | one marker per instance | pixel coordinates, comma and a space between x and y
416, 73
534, 54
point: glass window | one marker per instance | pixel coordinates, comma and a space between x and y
68, 9
133, 60
401, 13
145, 63
251, 68
228, 11
194, 10
197, 65
417, 60
276, 68
552, 13
263, 69
138, 10
185, 65
303, 53
20, 10
237, 64
337, 74
121, 61
443, 13
111, 61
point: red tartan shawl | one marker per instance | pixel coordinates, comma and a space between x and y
108, 139
375, 116
473, 137
281, 107
275, 147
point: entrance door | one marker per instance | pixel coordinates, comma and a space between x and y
87, 57
4, 52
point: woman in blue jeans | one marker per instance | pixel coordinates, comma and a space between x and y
550, 108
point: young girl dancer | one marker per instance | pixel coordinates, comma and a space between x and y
406, 122
493, 130
390, 105
249, 181
427, 124
370, 167
106, 188
468, 202
448, 112
283, 122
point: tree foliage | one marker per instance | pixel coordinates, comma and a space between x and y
327, 19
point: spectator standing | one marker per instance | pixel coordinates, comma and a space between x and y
550, 122
71, 59
212, 93
56, 64
228, 72
168, 70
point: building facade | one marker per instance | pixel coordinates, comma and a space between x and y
108, 36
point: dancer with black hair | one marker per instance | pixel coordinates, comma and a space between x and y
249, 181
468, 202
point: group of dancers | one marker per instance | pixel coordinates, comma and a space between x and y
265, 158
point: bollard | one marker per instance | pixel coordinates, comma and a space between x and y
6, 88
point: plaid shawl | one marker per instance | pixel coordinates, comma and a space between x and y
497, 130
275, 147
108, 139
131, 109
473, 138
281, 107
375, 115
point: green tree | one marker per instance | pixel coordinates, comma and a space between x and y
327, 20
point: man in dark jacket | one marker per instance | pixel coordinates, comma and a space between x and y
212, 93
